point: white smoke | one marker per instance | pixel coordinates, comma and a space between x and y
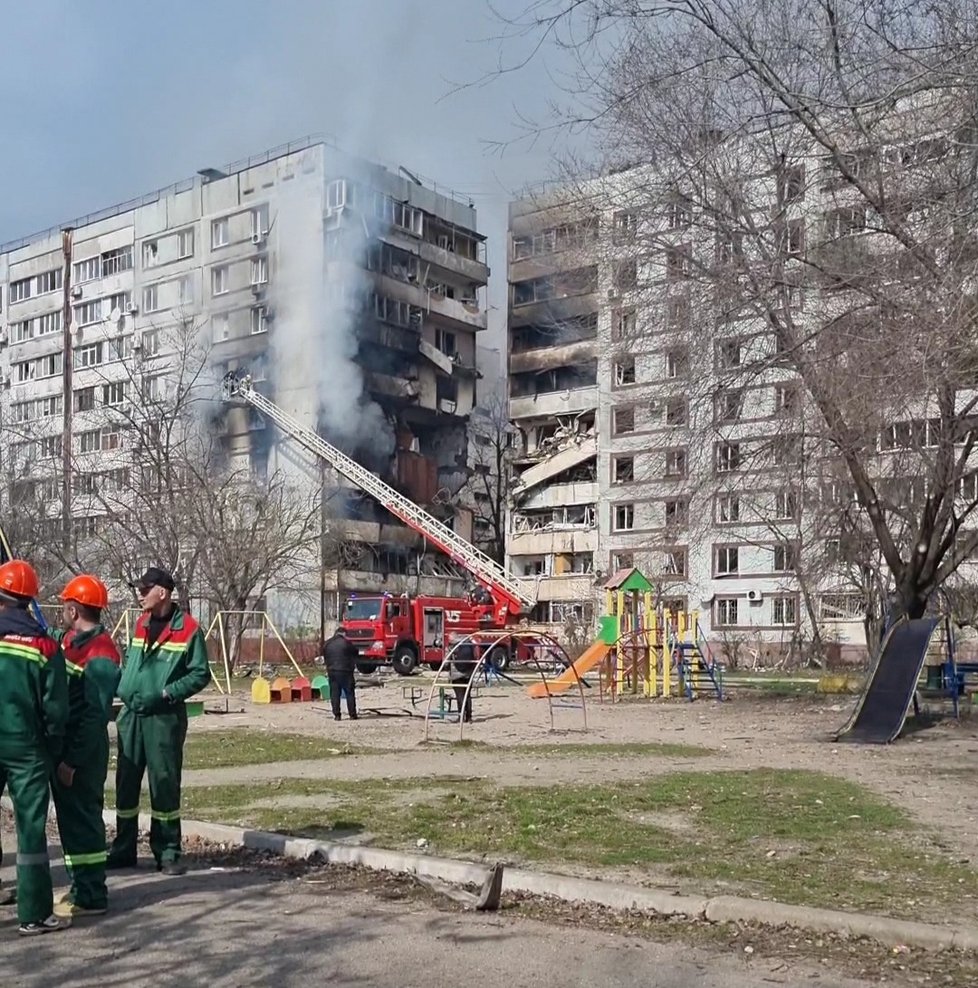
314, 339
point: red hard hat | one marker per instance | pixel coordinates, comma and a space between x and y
88, 590
18, 578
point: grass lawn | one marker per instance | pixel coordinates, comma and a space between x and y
245, 746
796, 836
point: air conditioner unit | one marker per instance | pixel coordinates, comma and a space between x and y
137, 344
755, 596
133, 310
257, 288
76, 292
4, 381
3, 337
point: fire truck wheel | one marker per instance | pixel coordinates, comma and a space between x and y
404, 660
499, 657
367, 668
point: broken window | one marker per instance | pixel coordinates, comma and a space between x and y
677, 412
728, 405
678, 312
786, 505
624, 420
445, 341
625, 370
786, 399
623, 323
624, 517
791, 184
785, 557
677, 362
727, 560
622, 560
677, 512
727, 457
446, 389
787, 450
678, 215
729, 354
624, 469
674, 562
679, 262
845, 222
625, 226
625, 275
675, 463
730, 247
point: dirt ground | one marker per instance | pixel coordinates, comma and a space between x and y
931, 772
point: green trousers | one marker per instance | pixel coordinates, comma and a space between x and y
26, 775
150, 743
82, 829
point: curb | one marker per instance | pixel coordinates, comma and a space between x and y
612, 895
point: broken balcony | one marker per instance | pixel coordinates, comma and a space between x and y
554, 391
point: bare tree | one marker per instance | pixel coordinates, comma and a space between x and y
800, 206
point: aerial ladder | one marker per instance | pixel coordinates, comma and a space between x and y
503, 587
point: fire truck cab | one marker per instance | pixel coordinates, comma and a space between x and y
408, 631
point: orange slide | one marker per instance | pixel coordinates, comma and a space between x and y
593, 656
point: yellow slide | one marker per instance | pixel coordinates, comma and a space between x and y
594, 654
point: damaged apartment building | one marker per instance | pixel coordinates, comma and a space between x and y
553, 399
245, 252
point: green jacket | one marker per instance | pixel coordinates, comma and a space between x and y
177, 663
33, 688
92, 661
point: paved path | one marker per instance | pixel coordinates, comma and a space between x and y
260, 927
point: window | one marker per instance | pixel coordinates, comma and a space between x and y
678, 215
786, 399
259, 221
446, 342
794, 238
114, 394
730, 247
185, 290
625, 370
49, 407
25, 371
85, 399
624, 517
675, 463
623, 469
624, 225
787, 450
220, 233
50, 281
336, 194
727, 560
786, 505
89, 356
151, 254
151, 342
19, 290
729, 354
678, 312
677, 363
221, 326
785, 558
219, 280
259, 320
784, 611
623, 420
728, 457
118, 347
151, 298
117, 261
729, 404
88, 313
185, 244
625, 275
845, 222
677, 412
791, 184
679, 262
259, 270
677, 512
622, 560
50, 366
728, 508
88, 442
623, 323
152, 388
446, 389
841, 607
87, 270
726, 612
50, 448
674, 562
110, 439
21, 332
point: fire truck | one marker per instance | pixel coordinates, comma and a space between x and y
406, 630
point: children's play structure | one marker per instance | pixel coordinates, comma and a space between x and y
642, 649
894, 683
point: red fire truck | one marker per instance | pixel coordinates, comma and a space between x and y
407, 630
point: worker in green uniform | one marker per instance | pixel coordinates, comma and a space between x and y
165, 664
92, 662
33, 716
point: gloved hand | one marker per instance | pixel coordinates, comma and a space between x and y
66, 775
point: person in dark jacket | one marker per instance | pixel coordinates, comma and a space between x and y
341, 656
463, 665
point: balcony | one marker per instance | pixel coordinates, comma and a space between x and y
571, 402
577, 587
542, 542
561, 495
547, 358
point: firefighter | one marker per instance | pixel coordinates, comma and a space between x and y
92, 662
165, 664
340, 655
33, 717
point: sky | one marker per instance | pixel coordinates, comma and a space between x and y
108, 99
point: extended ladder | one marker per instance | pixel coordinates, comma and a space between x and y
486, 570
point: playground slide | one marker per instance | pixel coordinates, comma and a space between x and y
569, 677
883, 707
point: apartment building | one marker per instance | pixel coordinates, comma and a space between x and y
662, 426
316, 272
553, 364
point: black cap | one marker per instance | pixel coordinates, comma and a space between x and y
155, 577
